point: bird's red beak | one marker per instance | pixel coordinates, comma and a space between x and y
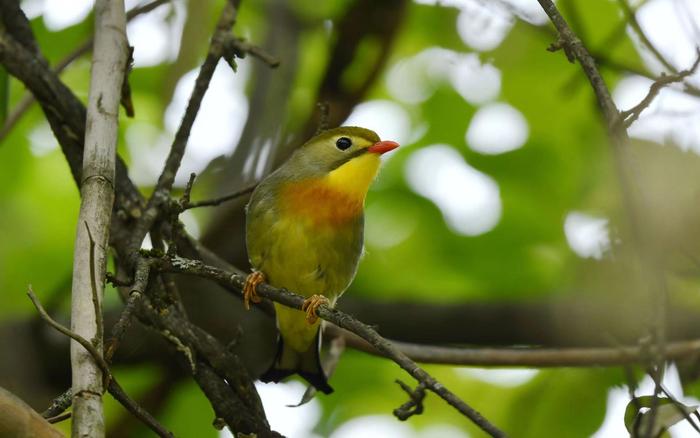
381, 147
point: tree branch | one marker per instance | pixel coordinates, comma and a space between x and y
238, 47
67, 118
186, 204
632, 20
219, 373
575, 49
137, 291
650, 274
113, 386
414, 406
631, 115
97, 199
194, 267
526, 356
172, 163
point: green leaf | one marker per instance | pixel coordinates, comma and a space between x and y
668, 413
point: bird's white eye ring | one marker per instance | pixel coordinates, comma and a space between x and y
343, 143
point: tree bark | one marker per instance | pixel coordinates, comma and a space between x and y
97, 198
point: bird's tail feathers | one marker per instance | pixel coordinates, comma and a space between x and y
307, 364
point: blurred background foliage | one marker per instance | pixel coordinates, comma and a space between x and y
504, 190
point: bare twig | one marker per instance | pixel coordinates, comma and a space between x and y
58, 418
604, 60
680, 408
324, 113
220, 200
651, 274
218, 371
59, 404
341, 319
137, 291
113, 386
632, 19
238, 47
631, 115
524, 357
94, 353
574, 48
414, 406
93, 285
125, 100
187, 193
136, 410
177, 150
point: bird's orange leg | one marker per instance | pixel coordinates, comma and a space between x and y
251, 282
311, 306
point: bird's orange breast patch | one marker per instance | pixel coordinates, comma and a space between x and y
317, 201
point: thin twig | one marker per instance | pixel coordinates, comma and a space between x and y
99, 360
532, 357
324, 112
137, 291
177, 150
604, 60
220, 200
115, 281
59, 404
148, 7
632, 19
414, 406
125, 100
185, 200
93, 283
113, 387
631, 15
239, 47
136, 410
59, 418
184, 203
341, 319
617, 132
680, 408
631, 115
573, 46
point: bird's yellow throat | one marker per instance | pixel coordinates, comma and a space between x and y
336, 198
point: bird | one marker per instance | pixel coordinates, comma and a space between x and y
304, 233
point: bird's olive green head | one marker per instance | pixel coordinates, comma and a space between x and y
332, 148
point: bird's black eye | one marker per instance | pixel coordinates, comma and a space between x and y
343, 143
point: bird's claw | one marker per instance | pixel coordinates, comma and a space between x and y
311, 305
249, 294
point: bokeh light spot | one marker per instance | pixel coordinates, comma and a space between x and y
497, 128
468, 199
588, 236
388, 119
